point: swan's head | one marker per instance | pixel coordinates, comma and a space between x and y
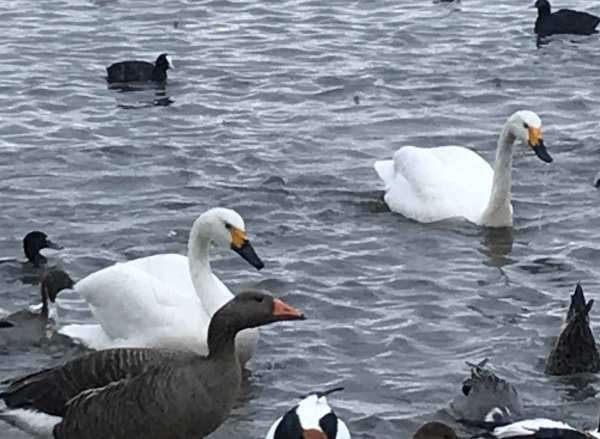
225, 228
527, 127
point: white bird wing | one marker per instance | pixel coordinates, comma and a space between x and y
528, 427
141, 296
431, 184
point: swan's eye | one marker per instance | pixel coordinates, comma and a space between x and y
228, 226
525, 126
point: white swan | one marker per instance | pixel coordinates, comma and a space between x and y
432, 184
166, 300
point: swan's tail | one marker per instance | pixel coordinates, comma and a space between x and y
35, 423
385, 170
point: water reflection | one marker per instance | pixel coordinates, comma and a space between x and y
497, 245
161, 99
578, 387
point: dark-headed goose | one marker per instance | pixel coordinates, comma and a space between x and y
144, 393
27, 327
575, 349
35, 241
140, 71
53, 282
311, 418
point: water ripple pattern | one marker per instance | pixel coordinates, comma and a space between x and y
279, 109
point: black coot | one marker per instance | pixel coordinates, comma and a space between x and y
564, 21
140, 71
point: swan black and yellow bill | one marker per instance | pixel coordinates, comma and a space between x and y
241, 245
536, 142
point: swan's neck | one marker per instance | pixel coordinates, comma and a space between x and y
498, 211
207, 286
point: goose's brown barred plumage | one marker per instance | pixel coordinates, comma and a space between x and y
150, 393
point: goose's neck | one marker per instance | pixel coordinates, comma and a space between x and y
498, 211
221, 336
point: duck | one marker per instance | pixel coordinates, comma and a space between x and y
53, 281
433, 184
482, 392
311, 418
27, 327
575, 349
564, 21
140, 71
35, 241
141, 303
435, 430
536, 428
125, 393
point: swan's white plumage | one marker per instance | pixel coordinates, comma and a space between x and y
433, 184
436, 183
528, 427
141, 302
154, 302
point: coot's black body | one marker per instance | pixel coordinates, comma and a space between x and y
140, 71
564, 21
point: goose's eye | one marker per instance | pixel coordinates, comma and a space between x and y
228, 226
260, 299
525, 126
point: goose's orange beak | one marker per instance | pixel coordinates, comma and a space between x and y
283, 311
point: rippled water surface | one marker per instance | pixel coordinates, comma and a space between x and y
279, 109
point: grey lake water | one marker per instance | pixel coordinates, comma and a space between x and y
278, 109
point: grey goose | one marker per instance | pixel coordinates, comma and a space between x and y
142, 392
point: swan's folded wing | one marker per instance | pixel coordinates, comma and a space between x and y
50, 389
441, 183
173, 272
128, 301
